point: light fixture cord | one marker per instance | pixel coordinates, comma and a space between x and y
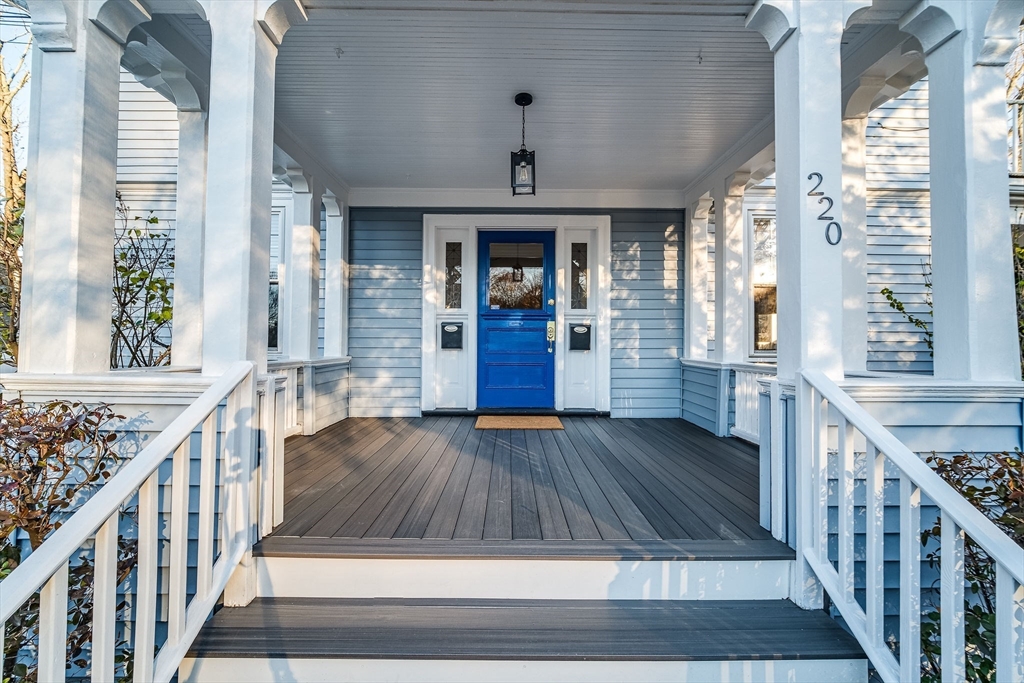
524, 128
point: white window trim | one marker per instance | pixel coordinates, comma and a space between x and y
753, 210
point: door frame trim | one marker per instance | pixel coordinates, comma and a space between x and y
471, 225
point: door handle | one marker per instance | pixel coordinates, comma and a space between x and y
551, 336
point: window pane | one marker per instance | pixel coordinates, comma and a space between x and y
765, 272
764, 251
453, 275
272, 329
580, 273
766, 334
516, 277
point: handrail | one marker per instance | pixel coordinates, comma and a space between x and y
976, 525
46, 568
816, 394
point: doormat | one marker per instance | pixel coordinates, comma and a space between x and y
518, 422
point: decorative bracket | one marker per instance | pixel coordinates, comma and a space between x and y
773, 19
51, 24
277, 16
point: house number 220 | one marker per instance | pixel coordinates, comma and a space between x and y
833, 237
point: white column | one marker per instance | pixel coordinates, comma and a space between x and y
69, 235
302, 274
189, 236
972, 268
855, 245
336, 279
241, 135
696, 305
808, 140
730, 272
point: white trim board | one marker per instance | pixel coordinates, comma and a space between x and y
501, 199
457, 389
290, 669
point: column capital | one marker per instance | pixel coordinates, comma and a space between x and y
931, 23
773, 19
736, 184
701, 207
52, 24
277, 16
118, 17
301, 182
858, 101
332, 204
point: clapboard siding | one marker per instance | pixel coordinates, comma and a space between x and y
321, 318
147, 135
898, 231
332, 395
700, 396
385, 299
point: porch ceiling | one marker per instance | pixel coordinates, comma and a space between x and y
627, 96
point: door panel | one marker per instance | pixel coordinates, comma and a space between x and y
516, 364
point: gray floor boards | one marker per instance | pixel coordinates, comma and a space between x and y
598, 480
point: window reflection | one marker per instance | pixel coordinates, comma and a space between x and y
764, 281
453, 275
516, 277
579, 282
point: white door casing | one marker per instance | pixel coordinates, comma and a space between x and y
582, 378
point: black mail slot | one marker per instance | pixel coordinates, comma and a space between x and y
451, 335
579, 337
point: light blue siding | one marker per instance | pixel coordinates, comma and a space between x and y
386, 309
700, 396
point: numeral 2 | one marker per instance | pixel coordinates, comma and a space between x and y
814, 190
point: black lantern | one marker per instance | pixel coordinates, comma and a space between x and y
524, 180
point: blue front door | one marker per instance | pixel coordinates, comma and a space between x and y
515, 359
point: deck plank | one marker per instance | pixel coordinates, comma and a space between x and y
525, 512
725, 630
577, 516
598, 480
498, 522
414, 524
474, 505
553, 525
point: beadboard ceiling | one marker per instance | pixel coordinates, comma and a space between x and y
637, 96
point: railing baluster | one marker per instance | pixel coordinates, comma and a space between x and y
820, 465
952, 601
1009, 627
910, 581
224, 480
846, 510
145, 596
53, 627
179, 543
874, 600
207, 493
104, 612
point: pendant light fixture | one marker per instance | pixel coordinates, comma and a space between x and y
517, 269
523, 167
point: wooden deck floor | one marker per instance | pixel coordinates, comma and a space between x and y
440, 478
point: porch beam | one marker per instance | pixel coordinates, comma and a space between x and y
69, 240
975, 335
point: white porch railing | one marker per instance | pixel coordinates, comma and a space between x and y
816, 395
747, 422
221, 545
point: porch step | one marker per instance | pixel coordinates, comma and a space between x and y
523, 570
310, 639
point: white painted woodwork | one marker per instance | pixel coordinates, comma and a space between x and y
818, 398
449, 377
731, 284
523, 579
855, 245
808, 139
69, 243
292, 670
422, 98
189, 238
975, 330
336, 278
104, 607
695, 306
47, 567
301, 284
241, 121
